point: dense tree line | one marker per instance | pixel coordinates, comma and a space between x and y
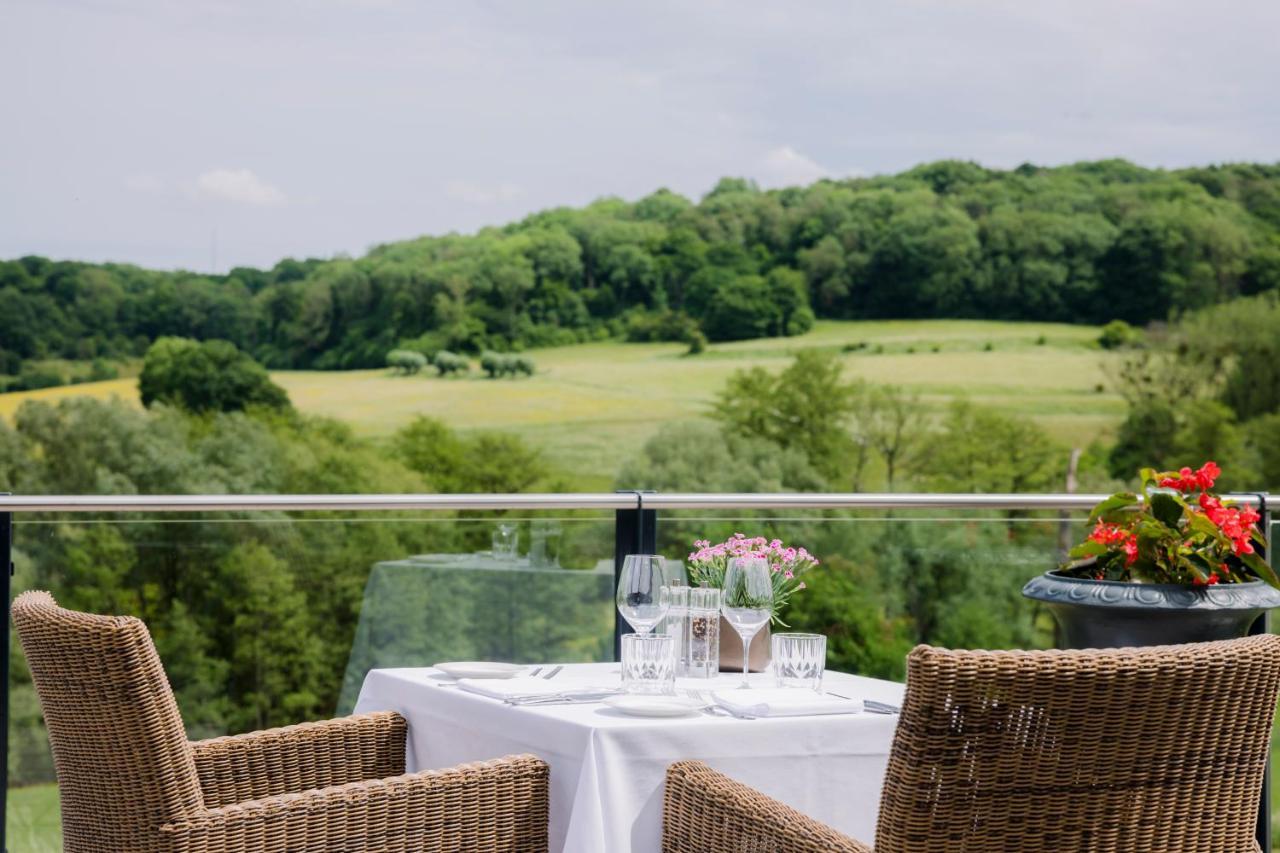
1089, 242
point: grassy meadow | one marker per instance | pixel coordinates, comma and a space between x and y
593, 405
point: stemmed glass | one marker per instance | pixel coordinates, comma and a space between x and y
748, 602
642, 594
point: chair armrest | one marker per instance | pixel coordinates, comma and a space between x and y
298, 758
705, 811
499, 805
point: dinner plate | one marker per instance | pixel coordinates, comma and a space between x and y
480, 669
641, 705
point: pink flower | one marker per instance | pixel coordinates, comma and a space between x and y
800, 585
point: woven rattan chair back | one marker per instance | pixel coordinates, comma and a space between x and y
1132, 750
121, 754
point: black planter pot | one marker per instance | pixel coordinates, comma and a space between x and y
1110, 614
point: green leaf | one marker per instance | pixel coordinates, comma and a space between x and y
1112, 505
1148, 477
1167, 508
1088, 549
1202, 525
1260, 568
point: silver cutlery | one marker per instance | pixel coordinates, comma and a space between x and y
874, 707
712, 708
562, 698
554, 672
871, 706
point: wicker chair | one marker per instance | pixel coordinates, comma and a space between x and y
1116, 751
129, 779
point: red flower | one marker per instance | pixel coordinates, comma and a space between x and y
1130, 551
1193, 481
1208, 473
1212, 579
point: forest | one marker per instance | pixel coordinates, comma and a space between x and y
1085, 243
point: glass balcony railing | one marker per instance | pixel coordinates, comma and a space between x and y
270, 611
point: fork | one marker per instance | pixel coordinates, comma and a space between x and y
711, 708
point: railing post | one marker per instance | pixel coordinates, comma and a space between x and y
6, 566
1260, 626
635, 531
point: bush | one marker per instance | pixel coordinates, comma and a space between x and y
448, 363
33, 378
497, 365
1041, 341
101, 370
697, 343
1117, 334
406, 362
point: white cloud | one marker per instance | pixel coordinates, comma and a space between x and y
482, 193
238, 185
785, 166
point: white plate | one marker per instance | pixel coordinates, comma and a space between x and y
640, 705
480, 669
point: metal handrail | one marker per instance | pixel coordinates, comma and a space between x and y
601, 501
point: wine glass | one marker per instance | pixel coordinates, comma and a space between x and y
748, 601
642, 595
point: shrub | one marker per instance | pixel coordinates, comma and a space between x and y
406, 362
988, 347
497, 365
697, 343
1041, 341
33, 378
1117, 334
102, 370
448, 363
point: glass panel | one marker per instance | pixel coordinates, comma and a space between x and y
270, 619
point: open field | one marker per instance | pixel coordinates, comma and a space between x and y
591, 406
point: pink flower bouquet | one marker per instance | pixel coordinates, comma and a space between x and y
707, 565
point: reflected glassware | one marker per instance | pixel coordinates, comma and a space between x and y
648, 663
642, 595
544, 545
506, 540
799, 660
748, 602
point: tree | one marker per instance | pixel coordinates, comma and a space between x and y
485, 462
803, 407
212, 376
980, 450
891, 421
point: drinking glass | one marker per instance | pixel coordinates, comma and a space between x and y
799, 660
748, 602
642, 595
506, 538
648, 663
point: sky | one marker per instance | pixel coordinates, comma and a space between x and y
206, 134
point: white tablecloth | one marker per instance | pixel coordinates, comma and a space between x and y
607, 769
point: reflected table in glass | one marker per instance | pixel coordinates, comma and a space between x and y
441, 607
607, 769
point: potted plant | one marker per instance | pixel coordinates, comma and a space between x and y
707, 565
1174, 564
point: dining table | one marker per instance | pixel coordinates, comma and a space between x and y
608, 768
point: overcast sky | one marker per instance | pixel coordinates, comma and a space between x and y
136, 130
